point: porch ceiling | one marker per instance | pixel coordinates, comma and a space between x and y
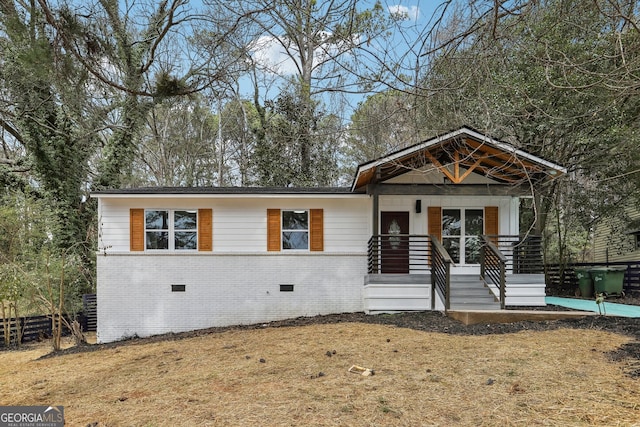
456, 155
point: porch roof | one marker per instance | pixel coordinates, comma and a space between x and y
456, 155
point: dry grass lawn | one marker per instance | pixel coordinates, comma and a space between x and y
557, 378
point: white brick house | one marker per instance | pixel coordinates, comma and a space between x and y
178, 259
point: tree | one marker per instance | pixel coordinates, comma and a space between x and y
23, 231
314, 42
239, 125
45, 95
383, 123
137, 57
542, 78
289, 133
177, 147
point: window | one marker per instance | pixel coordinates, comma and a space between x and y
295, 229
171, 229
461, 230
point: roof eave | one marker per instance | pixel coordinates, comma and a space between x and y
152, 193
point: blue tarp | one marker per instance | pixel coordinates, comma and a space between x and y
611, 308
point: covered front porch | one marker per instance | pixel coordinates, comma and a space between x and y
446, 229
415, 272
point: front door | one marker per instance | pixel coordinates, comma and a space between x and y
395, 242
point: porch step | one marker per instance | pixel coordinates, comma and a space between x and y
468, 292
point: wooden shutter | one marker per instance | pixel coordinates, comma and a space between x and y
491, 221
434, 224
434, 219
273, 230
205, 230
136, 230
316, 230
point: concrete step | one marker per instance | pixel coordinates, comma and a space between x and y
478, 292
471, 317
474, 306
460, 279
468, 292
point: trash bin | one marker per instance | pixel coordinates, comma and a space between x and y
585, 283
608, 280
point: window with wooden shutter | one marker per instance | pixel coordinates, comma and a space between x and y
317, 230
295, 230
273, 230
178, 230
136, 230
205, 230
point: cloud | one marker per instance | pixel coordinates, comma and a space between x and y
403, 12
274, 55
268, 52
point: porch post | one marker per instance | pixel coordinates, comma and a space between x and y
376, 206
374, 190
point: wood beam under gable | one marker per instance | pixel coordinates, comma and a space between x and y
506, 158
493, 173
440, 167
456, 177
511, 168
473, 167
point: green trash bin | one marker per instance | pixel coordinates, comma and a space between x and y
585, 283
608, 280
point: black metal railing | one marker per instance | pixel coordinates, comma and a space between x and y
523, 254
440, 273
493, 266
500, 255
398, 253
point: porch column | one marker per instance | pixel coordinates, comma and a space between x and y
372, 189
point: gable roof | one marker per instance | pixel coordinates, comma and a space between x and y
457, 154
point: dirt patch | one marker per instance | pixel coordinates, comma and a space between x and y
297, 373
429, 321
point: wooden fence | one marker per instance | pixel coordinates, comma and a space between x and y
564, 281
32, 328
39, 327
89, 313
35, 328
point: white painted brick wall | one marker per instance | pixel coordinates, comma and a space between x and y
135, 297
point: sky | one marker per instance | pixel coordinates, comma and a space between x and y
416, 16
